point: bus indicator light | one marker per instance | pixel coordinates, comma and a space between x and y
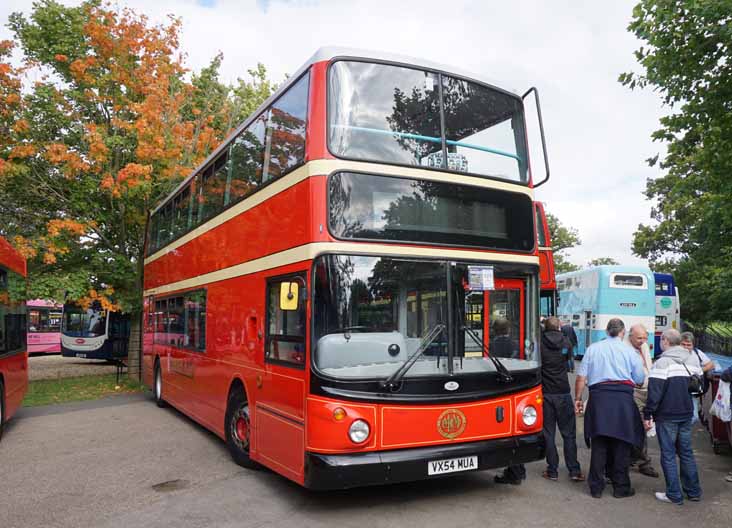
338, 414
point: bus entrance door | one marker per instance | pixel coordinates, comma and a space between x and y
280, 405
588, 329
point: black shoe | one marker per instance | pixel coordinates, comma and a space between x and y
596, 494
694, 499
503, 479
648, 471
629, 493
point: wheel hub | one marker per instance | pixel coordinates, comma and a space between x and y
242, 430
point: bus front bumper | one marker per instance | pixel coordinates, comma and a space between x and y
325, 472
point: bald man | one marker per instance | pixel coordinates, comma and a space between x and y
638, 339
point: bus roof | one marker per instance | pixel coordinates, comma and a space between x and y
11, 259
328, 53
606, 270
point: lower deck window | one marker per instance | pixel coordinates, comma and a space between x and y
285, 328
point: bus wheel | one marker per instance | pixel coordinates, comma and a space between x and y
2, 408
158, 386
239, 430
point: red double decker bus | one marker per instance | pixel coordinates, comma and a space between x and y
13, 351
347, 290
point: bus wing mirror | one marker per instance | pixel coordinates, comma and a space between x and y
541, 132
289, 295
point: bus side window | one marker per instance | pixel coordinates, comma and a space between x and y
285, 340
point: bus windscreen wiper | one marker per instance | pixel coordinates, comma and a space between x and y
395, 378
500, 367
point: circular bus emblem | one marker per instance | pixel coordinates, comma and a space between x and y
79, 341
665, 302
451, 423
452, 385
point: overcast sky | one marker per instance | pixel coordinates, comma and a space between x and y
598, 132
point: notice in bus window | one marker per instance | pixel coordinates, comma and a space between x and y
480, 278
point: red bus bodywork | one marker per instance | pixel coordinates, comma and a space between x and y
546, 264
13, 353
294, 426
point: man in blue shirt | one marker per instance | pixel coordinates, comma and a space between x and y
611, 369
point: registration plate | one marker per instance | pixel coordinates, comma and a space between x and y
452, 465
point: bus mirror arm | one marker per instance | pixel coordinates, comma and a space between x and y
541, 132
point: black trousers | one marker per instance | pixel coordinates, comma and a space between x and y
558, 412
516, 473
613, 454
640, 454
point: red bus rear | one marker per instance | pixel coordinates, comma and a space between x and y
13, 353
347, 290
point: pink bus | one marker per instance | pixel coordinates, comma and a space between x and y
44, 327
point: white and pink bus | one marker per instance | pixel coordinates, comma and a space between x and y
44, 327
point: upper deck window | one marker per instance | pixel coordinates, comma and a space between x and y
272, 145
628, 280
396, 114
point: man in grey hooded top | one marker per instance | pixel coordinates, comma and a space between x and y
669, 404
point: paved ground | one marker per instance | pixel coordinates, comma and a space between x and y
56, 366
100, 464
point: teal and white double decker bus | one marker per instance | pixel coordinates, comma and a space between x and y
591, 297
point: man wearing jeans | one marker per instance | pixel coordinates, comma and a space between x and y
669, 404
558, 408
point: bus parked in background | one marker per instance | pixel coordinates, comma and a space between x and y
548, 296
94, 333
44, 327
347, 289
13, 352
668, 308
591, 297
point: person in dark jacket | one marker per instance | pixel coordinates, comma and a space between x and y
558, 408
669, 404
571, 336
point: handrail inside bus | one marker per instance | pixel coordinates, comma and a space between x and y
431, 139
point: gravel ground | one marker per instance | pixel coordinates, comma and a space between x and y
56, 366
122, 462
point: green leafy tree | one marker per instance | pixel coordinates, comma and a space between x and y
685, 58
110, 126
563, 238
603, 261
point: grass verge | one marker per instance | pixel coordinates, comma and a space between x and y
53, 391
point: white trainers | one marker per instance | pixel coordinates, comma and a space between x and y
663, 498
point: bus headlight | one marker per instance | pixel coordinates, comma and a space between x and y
529, 415
359, 431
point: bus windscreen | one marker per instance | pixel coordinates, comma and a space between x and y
78, 322
395, 114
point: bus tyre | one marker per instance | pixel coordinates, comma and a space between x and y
238, 430
158, 386
2, 408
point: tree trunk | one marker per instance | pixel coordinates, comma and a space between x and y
134, 349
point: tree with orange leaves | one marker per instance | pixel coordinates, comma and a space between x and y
111, 124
